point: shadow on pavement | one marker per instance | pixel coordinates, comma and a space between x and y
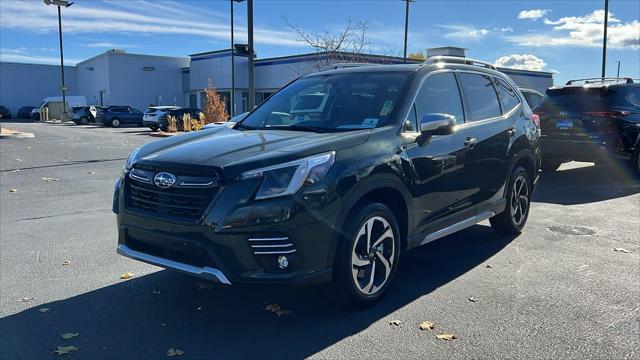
126, 320
586, 184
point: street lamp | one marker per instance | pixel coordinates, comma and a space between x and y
66, 4
233, 65
406, 26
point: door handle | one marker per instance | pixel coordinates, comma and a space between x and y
470, 142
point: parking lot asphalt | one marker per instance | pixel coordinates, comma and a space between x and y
559, 290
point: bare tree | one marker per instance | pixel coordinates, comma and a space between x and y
345, 45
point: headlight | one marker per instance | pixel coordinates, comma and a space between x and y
288, 178
132, 156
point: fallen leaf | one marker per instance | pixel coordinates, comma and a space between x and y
26, 299
446, 337
66, 262
64, 350
489, 266
426, 325
621, 250
277, 309
155, 292
27, 147
43, 310
91, 173
49, 179
13, 190
127, 275
395, 322
204, 286
174, 352
68, 336
15, 171
472, 299
19, 160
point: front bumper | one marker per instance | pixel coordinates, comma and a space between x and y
226, 244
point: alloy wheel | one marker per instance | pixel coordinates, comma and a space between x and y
115, 122
519, 200
372, 255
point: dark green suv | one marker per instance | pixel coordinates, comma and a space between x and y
334, 176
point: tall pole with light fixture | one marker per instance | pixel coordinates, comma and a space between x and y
604, 40
252, 89
618, 73
406, 27
233, 69
60, 3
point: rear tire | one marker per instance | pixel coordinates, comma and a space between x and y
115, 122
367, 256
84, 120
550, 165
512, 220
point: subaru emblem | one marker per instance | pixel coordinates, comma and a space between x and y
164, 180
563, 114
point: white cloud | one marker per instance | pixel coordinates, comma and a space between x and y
25, 55
521, 61
107, 45
462, 32
585, 31
507, 29
88, 18
533, 14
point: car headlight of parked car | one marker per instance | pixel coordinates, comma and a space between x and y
288, 178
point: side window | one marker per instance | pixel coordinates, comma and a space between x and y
480, 95
508, 96
440, 94
411, 124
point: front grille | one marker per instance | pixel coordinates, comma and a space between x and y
186, 200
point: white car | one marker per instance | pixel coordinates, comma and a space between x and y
151, 115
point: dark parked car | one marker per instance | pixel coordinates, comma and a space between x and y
389, 158
4, 112
25, 112
163, 119
82, 115
590, 120
117, 115
533, 97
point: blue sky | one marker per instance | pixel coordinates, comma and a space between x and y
560, 36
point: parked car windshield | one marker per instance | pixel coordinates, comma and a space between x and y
335, 102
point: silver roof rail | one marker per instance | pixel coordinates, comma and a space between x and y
458, 60
626, 80
345, 65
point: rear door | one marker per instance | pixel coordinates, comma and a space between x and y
579, 113
492, 107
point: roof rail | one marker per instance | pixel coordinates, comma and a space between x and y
459, 60
627, 80
345, 65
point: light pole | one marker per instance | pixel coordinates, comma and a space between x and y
618, 74
252, 89
233, 65
406, 26
60, 3
604, 41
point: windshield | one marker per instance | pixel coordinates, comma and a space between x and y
337, 102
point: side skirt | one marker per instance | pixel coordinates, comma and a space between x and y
458, 226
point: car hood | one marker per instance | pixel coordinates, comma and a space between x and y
232, 151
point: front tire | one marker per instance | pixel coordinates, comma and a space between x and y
84, 120
512, 220
115, 122
367, 255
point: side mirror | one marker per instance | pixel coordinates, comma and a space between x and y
437, 124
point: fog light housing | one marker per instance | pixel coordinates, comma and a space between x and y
283, 262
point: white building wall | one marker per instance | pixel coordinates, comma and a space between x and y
539, 81
28, 84
93, 79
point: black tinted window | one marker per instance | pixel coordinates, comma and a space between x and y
481, 98
440, 94
577, 99
533, 99
508, 96
628, 96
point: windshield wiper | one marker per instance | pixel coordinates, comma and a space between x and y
294, 127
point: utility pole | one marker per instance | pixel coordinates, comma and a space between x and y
604, 40
252, 90
406, 27
233, 69
618, 74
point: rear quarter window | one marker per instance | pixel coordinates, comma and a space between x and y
508, 96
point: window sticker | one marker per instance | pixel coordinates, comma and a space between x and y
370, 122
386, 108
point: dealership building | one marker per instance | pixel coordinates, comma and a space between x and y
116, 77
